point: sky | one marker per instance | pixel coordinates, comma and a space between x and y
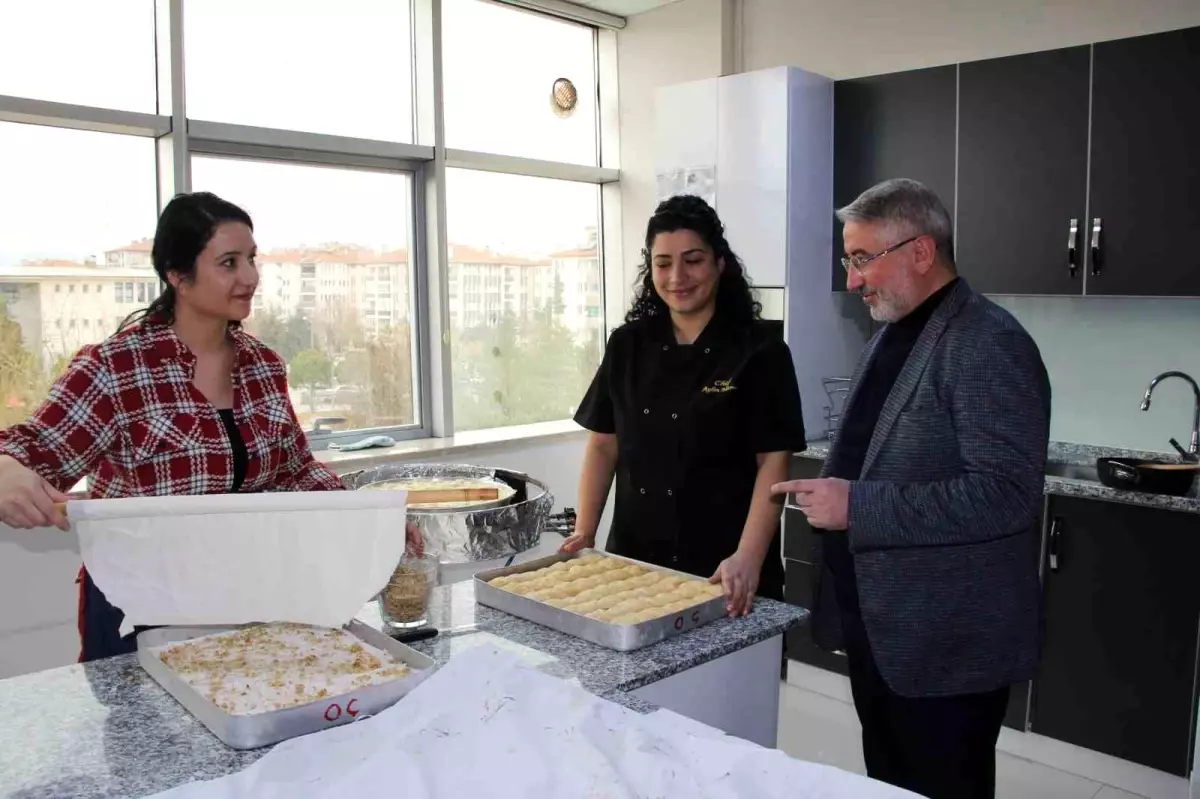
340, 68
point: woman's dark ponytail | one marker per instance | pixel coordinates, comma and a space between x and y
185, 227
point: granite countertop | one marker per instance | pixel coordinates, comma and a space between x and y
106, 729
1084, 455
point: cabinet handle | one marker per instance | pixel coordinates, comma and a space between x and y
1055, 538
1072, 252
1096, 246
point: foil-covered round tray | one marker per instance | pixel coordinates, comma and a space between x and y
470, 535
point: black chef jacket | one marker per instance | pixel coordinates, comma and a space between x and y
690, 421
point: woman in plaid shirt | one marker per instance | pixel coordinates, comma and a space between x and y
180, 401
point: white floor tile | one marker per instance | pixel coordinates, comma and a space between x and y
818, 723
819, 729
1023, 779
1108, 792
827, 683
1130, 777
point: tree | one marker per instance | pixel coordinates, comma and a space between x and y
354, 368
287, 336
391, 382
19, 373
524, 370
337, 328
310, 368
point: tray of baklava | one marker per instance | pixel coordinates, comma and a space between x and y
616, 602
260, 684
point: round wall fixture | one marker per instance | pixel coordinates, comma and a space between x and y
564, 98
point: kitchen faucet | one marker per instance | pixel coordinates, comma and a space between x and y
1192, 451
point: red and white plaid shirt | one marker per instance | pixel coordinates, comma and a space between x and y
127, 413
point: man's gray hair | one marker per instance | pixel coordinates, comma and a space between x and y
908, 206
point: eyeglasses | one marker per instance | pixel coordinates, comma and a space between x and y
859, 261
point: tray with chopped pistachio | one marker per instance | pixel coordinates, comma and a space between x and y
264, 683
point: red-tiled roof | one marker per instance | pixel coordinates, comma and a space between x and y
334, 253
462, 254
51, 262
142, 245
588, 253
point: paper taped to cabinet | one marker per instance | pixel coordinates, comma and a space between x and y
227, 559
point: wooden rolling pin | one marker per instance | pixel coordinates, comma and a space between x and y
421, 496
431, 496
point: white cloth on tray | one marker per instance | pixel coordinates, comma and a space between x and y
484, 725
225, 559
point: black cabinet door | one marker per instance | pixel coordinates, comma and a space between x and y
892, 126
800, 585
797, 534
1146, 165
1022, 172
1118, 665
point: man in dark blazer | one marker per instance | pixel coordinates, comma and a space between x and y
928, 504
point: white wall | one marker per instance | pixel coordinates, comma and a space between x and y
852, 38
674, 44
1101, 353
38, 596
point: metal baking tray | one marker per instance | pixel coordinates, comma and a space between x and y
264, 729
623, 638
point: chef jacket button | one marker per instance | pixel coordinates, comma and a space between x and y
666, 347
674, 558
647, 411
707, 350
674, 416
670, 493
643, 491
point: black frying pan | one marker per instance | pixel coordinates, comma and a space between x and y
1134, 475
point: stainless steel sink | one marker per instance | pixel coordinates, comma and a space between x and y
1073, 471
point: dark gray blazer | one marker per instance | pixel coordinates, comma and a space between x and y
944, 522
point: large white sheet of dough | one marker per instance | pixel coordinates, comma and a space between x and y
311, 558
487, 726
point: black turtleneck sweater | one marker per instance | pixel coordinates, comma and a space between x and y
854, 436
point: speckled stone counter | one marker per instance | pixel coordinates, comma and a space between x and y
1084, 455
107, 730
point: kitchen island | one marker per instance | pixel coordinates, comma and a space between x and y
106, 729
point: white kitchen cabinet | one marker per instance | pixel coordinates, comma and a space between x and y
685, 126
769, 135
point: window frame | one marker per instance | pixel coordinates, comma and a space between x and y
179, 138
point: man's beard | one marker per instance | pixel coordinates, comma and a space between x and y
893, 305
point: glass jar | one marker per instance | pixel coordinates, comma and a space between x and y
404, 601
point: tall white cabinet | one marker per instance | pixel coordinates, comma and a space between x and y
769, 136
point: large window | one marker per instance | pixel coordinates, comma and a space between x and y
526, 310
343, 68
335, 295
519, 83
407, 293
79, 51
55, 240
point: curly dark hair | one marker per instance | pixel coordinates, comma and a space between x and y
735, 298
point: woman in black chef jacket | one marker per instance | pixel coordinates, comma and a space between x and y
696, 411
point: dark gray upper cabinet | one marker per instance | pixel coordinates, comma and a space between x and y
1146, 165
1118, 665
1022, 172
1107, 134
892, 126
